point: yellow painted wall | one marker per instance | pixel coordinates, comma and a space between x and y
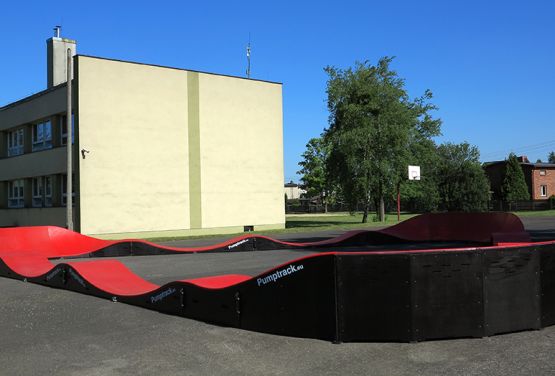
133, 120
141, 125
241, 152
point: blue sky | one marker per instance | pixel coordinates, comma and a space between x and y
490, 64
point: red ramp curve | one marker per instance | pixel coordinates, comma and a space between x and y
55, 242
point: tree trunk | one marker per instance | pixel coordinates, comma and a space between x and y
382, 210
366, 209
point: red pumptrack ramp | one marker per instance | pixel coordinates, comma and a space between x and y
56, 242
509, 287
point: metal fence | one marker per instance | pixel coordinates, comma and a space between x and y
528, 205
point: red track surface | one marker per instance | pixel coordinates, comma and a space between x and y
26, 250
53, 242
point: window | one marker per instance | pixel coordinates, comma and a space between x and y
42, 192
63, 129
42, 136
542, 172
16, 197
64, 189
543, 190
15, 142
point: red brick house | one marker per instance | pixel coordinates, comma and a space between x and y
540, 178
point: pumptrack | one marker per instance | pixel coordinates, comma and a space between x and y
361, 286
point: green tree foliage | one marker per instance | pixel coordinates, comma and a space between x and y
514, 186
313, 170
551, 157
462, 183
374, 127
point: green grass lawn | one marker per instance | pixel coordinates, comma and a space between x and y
295, 223
311, 222
536, 213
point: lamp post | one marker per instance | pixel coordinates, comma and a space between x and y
69, 144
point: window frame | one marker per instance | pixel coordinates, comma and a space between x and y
543, 190
40, 139
42, 192
16, 142
19, 198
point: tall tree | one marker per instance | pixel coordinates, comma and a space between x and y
462, 183
313, 170
372, 126
514, 186
551, 157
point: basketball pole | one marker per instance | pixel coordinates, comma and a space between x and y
398, 202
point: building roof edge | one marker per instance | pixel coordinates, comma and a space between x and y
181, 69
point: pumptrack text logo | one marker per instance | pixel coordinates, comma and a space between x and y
53, 273
77, 278
238, 243
279, 274
162, 295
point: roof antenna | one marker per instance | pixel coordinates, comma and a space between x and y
249, 57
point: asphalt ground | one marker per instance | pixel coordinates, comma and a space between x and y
47, 331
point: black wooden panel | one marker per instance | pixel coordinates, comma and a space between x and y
512, 288
296, 299
145, 249
547, 273
447, 295
5, 271
215, 306
114, 250
373, 297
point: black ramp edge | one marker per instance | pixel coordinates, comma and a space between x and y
373, 297
547, 272
114, 250
447, 295
267, 244
76, 282
146, 249
5, 271
57, 277
512, 290
215, 306
361, 239
295, 299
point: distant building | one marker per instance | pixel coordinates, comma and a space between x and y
540, 177
293, 191
157, 150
